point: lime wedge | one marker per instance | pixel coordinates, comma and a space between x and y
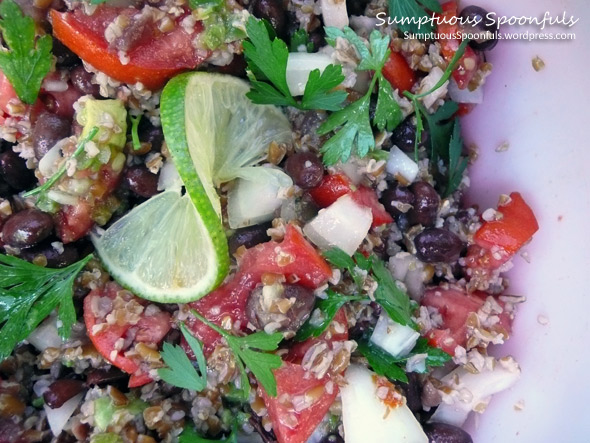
172, 248
162, 250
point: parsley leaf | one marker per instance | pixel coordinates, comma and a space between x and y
245, 350
62, 169
381, 361
457, 163
440, 127
352, 125
267, 61
300, 38
29, 293
436, 357
27, 60
342, 260
180, 371
190, 435
328, 307
410, 12
395, 301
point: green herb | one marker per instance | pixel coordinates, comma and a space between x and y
27, 60
300, 38
342, 260
328, 307
419, 110
267, 61
385, 364
190, 435
62, 170
457, 163
134, 133
411, 12
180, 371
194, 4
395, 301
29, 294
247, 352
352, 125
98, 2
440, 127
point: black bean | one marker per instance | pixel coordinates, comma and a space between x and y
404, 135
64, 56
435, 245
273, 11
27, 228
248, 237
393, 196
104, 377
445, 433
237, 67
141, 181
332, 438
412, 392
402, 222
295, 315
14, 171
426, 201
306, 169
82, 81
151, 134
479, 24
48, 130
55, 259
61, 391
356, 7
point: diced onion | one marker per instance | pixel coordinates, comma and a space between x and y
50, 161
399, 164
299, 65
169, 178
344, 224
62, 198
428, 83
58, 417
45, 335
334, 13
366, 417
396, 339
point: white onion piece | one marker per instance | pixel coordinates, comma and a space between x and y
344, 224
334, 13
49, 162
58, 417
465, 95
428, 83
473, 390
251, 202
45, 335
52, 85
399, 163
396, 339
299, 65
62, 198
406, 268
366, 417
169, 178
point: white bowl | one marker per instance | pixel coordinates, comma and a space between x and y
544, 117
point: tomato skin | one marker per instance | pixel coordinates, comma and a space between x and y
294, 257
75, 31
454, 306
334, 186
516, 227
150, 329
470, 61
397, 72
7, 93
74, 222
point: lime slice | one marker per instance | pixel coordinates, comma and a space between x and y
172, 248
162, 250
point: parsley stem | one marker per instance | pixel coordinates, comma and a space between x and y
62, 169
134, 134
213, 326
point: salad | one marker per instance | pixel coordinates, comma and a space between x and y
245, 221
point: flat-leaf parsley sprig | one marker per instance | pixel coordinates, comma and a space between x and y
410, 13
267, 62
249, 352
29, 293
352, 125
28, 59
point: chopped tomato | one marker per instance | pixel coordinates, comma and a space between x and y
7, 93
334, 186
153, 59
397, 72
470, 61
74, 222
294, 257
336, 331
465, 108
115, 341
454, 306
291, 423
331, 188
